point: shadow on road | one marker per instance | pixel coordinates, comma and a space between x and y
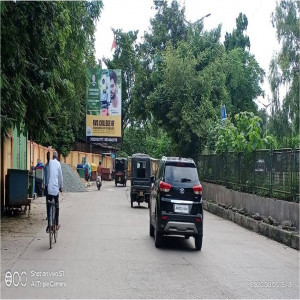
139, 207
176, 243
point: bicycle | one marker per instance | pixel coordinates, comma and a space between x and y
52, 227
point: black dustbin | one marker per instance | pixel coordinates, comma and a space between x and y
17, 188
39, 187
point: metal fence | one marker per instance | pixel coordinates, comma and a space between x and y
270, 173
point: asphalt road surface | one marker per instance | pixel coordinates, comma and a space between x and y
104, 251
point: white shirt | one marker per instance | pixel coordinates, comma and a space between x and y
55, 178
115, 111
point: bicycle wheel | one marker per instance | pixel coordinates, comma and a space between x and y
55, 235
53, 222
50, 227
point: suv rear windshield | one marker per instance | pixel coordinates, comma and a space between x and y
184, 173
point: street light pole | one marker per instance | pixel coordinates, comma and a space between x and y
202, 18
194, 23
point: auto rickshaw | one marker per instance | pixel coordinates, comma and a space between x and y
141, 178
121, 171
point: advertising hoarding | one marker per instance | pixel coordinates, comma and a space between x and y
104, 106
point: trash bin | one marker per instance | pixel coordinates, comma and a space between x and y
106, 174
17, 188
39, 187
94, 171
39, 174
80, 170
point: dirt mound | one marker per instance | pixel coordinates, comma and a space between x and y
72, 180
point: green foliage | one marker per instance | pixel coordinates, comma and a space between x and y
182, 77
285, 71
46, 48
149, 139
237, 39
168, 25
246, 136
173, 83
122, 153
243, 79
182, 98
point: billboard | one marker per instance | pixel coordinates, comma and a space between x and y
104, 106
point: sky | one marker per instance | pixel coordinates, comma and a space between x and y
136, 14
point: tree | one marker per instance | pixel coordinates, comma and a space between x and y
244, 74
168, 25
150, 139
285, 71
237, 39
243, 79
246, 136
46, 49
181, 99
183, 75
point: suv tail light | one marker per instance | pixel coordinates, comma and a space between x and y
197, 189
164, 187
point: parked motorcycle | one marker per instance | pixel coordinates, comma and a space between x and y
99, 182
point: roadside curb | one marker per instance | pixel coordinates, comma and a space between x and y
288, 238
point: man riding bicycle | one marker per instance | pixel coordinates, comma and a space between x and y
55, 185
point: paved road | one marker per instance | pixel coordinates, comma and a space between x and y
105, 251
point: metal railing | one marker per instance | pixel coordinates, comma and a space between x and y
270, 173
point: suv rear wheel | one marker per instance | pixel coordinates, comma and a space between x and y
158, 236
198, 242
151, 229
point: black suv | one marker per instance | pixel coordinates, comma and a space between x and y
176, 201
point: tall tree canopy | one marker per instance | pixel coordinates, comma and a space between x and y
45, 50
285, 72
183, 74
173, 82
238, 39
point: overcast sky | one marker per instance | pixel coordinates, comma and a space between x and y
135, 15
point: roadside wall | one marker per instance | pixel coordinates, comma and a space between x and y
278, 209
35, 152
13, 150
19, 153
75, 157
6, 163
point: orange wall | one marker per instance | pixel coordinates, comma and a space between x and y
6, 163
35, 152
75, 157
107, 162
